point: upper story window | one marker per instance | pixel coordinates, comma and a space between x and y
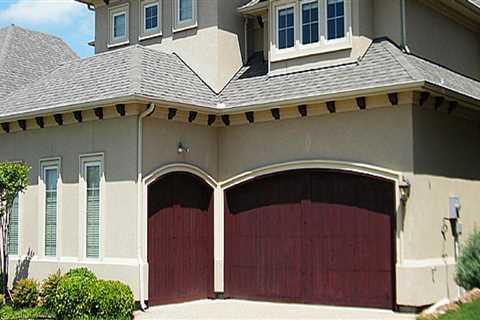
185, 12
119, 25
335, 19
151, 18
310, 26
286, 27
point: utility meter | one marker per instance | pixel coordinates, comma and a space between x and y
454, 208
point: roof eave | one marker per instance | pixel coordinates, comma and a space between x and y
255, 9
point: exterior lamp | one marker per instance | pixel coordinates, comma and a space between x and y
405, 189
182, 149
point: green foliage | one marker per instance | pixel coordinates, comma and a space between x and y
469, 311
13, 179
112, 300
9, 313
25, 294
74, 294
82, 273
2, 300
468, 266
48, 290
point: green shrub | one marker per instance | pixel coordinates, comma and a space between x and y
48, 290
468, 266
25, 294
112, 300
81, 272
74, 294
2, 300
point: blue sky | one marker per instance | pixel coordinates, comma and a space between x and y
67, 19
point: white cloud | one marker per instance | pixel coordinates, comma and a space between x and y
42, 12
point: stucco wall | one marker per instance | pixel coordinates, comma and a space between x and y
161, 139
436, 37
445, 153
219, 37
118, 244
380, 137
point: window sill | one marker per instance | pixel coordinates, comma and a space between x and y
150, 36
300, 50
180, 29
118, 44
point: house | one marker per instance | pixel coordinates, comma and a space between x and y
312, 151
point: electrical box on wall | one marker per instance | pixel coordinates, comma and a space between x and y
454, 208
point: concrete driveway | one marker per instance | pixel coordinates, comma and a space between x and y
239, 309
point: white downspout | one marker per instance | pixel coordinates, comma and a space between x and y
403, 18
141, 262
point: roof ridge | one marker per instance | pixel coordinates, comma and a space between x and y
6, 44
388, 45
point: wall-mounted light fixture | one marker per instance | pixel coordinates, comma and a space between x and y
182, 149
405, 189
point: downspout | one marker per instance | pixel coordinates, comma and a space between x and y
403, 22
141, 263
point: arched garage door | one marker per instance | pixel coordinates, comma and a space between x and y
180, 239
311, 236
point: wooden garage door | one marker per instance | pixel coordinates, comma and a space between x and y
313, 236
180, 239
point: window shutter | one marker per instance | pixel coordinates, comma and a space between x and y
93, 210
13, 232
51, 179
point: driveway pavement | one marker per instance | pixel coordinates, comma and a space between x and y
239, 309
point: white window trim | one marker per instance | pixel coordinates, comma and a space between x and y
85, 161
300, 50
345, 25
300, 13
50, 163
295, 27
114, 12
187, 24
156, 32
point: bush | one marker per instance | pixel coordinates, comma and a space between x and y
74, 294
48, 290
25, 294
112, 300
2, 300
468, 266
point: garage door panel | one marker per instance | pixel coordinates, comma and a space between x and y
321, 237
180, 239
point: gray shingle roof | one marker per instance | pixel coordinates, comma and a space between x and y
25, 56
133, 71
140, 72
383, 65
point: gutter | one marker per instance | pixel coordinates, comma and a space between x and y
141, 262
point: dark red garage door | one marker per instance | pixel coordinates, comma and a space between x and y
180, 239
312, 236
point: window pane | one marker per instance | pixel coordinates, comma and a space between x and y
340, 8
119, 24
340, 28
314, 33
186, 10
93, 210
51, 179
306, 34
285, 28
331, 29
151, 17
290, 37
330, 10
13, 231
282, 39
310, 25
